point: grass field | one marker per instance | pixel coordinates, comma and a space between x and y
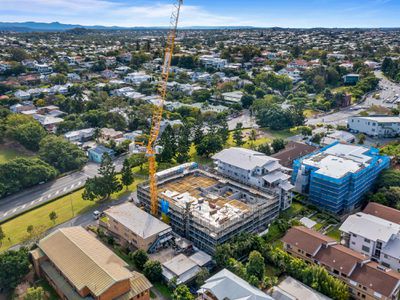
7, 154
16, 229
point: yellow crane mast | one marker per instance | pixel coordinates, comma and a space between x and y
159, 107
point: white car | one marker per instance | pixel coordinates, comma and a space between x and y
96, 215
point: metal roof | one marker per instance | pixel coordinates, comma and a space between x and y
136, 220
84, 260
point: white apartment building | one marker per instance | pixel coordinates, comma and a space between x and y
373, 236
382, 126
213, 61
232, 97
137, 78
256, 169
43, 68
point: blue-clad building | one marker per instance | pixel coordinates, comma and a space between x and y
96, 154
337, 176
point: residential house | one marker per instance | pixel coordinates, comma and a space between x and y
293, 151
108, 134
49, 122
80, 136
43, 68
384, 212
137, 78
365, 279
22, 95
20, 107
226, 285
373, 236
78, 266
292, 289
96, 154
351, 78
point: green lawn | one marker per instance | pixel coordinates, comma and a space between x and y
16, 229
7, 154
163, 289
334, 233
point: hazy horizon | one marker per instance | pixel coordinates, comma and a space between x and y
255, 13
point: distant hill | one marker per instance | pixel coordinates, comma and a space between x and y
56, 26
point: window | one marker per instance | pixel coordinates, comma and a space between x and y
367, 241
365, 249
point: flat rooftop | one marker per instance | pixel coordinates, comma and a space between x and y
213, 200
339, 160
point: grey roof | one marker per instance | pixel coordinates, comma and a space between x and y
370, 227
381, 119
243, 158
392, 248
226, 285
136, 220
179, 264
201, 258
291, 289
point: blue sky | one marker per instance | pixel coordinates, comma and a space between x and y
264, 13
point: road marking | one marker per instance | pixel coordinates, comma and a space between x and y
33, 202
72, 186
23, 206
5, 214
79, 183
65, 189
57, 192
14, 210
47, 197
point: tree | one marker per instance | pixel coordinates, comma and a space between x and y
18, 54
255, 266
127, 177
265, 148
35, 294
140, 258
14, 265
278, 144
167, 141
152, 270
238, 135
29, 229
209, 144
361, 138
2, 236
247, 101
25, 130
138, 160
61, 154
182, 292
20, 173
202, 276
183, 147
104, 185
53, 216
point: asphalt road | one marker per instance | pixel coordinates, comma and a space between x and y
37, 195
387, 90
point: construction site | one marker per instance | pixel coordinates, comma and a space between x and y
208, 209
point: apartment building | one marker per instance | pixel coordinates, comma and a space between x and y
338, 175
373, 236
78, 266
376, 126
384, 212
209, 209
132, 226
213, 61
365, 278
256, 169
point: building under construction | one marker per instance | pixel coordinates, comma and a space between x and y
208, 209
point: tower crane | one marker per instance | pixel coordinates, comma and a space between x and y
159, 107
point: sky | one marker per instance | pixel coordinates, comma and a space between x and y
259, 13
